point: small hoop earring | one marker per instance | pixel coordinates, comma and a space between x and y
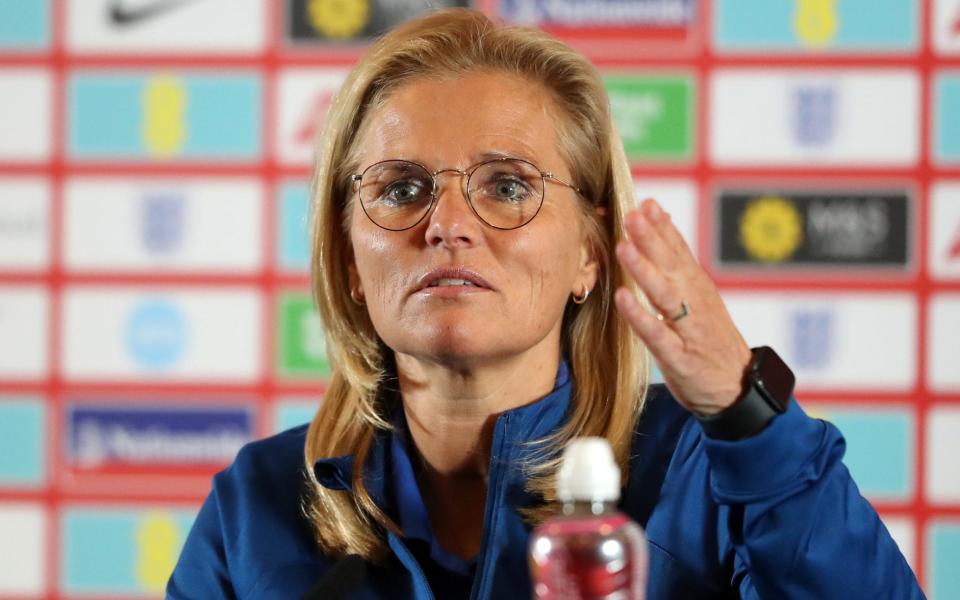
582, 297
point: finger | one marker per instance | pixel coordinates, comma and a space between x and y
661, 292
667, 229
645, 236
662, 341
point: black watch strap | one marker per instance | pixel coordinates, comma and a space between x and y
768, 383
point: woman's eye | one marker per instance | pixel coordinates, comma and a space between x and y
402, 192
510, 189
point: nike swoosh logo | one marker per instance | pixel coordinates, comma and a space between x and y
123, 15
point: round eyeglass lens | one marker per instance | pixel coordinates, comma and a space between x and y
396, 194
506, 193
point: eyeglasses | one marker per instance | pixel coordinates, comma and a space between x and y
504, 193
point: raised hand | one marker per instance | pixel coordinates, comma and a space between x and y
699, 350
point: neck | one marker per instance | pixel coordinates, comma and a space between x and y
451, 414
451, 411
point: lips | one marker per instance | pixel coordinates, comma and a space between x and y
452, 277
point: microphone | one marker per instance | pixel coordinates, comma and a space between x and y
343, 578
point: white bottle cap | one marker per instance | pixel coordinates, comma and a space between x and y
588, 472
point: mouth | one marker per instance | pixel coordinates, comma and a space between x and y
452, 279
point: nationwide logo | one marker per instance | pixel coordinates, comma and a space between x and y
162, 222
814, 115
352, 20
122, 14
811, 338
116, 439
814, 228
576, 13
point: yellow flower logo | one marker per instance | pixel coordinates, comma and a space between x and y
338, 18
771, 229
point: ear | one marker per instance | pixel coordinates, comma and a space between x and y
353, 278
588, 272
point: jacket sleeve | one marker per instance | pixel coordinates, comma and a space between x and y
797, 522
202, 569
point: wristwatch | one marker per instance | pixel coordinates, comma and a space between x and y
768, 383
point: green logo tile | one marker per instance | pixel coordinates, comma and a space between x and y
654, 115
301, 347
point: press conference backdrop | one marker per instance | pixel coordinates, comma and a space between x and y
154, 306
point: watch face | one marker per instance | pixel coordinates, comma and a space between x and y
773, 377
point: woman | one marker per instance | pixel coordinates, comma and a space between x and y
469, 194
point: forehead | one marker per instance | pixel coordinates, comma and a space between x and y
456, 121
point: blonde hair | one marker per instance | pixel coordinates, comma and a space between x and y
608, 363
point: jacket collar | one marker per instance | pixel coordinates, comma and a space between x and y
520, 426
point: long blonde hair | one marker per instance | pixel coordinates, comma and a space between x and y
607, 361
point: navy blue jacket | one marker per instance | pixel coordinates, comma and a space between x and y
773, 516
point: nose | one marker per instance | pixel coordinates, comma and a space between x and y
452, 223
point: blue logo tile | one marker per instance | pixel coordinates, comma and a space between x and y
816, 25
165, 116
944, 556
24, 24
125, 551
946, 137
293, 222
22, 442
879, 453
290, 413
156, 334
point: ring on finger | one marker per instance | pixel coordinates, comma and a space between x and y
683, 312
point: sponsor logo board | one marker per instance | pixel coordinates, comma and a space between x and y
111, 550
814, 229
24, 26
880, 447
301, 347
814, 118
24, 224
832, 340
164, 116
608, 27
26, 97
654, 115
22, 442
23, 549
293, 236
128, 334
849, 26
946, 26
946, 117
163, 225
944, 230
337, 22
24, 316
943, 556
678, 197
116, 438
943, 342
305, 98
166, 26
943, 447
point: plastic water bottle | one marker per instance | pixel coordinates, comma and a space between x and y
591, 551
